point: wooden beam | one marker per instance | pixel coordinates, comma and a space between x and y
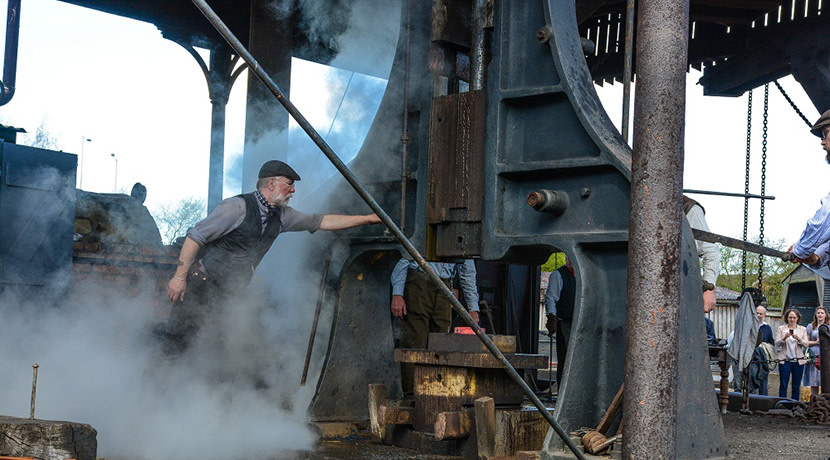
377, 399
485, 409
463, 359
394, 415
453, 425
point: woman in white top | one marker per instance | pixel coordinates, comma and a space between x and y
812, 376
791, 340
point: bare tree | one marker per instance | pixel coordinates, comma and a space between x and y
43, 138
174, 218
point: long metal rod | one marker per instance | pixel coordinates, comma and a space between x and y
320, 296
741, 244
253, 65
405, 130
654, 256
627, 66
739, 195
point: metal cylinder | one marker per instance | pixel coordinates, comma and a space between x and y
824, 351
652, 316
478, 51
34, 390
10, 56
551, 201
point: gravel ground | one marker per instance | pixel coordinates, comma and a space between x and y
750, 437
755, 437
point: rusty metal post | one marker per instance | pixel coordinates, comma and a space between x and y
34, 390
824, 347
652, 316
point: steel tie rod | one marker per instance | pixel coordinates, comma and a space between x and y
263, 76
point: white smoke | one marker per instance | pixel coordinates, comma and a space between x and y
100, 364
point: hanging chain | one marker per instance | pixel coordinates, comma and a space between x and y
763, 187
746, 184
792, 104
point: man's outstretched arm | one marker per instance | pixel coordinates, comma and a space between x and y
340, 222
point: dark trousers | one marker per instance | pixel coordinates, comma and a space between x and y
427, 310
797, 371
563, 335
188, 316
762, 386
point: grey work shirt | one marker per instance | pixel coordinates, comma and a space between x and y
230, 213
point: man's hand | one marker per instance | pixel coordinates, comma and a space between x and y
474, 314
398, 306
708, 301
811, 260
550, 324
175, 289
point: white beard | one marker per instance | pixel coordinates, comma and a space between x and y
280, 200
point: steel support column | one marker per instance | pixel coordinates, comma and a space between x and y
266, 125
824, 346
654, 300
219, 85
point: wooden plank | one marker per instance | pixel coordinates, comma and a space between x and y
377, 399
518, 430
528, 455
453, 425
462, 359
394, 415
485, 409
469, 343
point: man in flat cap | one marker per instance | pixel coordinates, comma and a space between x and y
813, 247
221, 252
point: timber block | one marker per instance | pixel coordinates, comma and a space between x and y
47, 439
469, 343
337, 430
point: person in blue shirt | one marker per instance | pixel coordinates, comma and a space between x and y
813, 247
560, 298
423, 308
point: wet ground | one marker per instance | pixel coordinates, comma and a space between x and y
750, 437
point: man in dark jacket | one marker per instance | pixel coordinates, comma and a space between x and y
560, 297
221, 252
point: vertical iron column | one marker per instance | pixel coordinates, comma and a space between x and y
627, 66
10, 54
478, 51
824, 347
219, 83
652, 316
266, 125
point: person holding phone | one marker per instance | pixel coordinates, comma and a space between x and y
791, 340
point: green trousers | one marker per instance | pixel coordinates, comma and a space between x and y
427, 310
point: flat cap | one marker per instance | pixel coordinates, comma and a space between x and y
273, 168
823, 121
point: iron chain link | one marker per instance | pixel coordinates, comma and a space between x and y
792, 104
763, 187
746, 183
